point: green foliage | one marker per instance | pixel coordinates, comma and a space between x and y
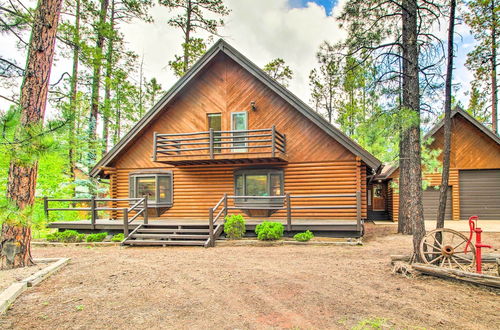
118, 237
303, 237
371, 323
67, 236
99, 237
280, 72
234, 227
194, 16
269, 230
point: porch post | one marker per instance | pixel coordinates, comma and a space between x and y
145, 212
211, 143
273, 141
46, 206
93, 213
358, 210
288, 213
125, 222
211, 225
225, 206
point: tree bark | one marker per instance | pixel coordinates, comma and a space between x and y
107, 85
494, 87
96, 81
410, 204
73, 95
22, 178
443, 189
187, 36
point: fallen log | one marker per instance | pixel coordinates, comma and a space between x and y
487, 258
481, 279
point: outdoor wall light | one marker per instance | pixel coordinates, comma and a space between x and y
252, 106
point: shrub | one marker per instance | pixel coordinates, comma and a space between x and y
99, 237
234, 227
67, 236
269, 230
303, 237
118, 237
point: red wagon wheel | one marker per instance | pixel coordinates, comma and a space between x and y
445, 247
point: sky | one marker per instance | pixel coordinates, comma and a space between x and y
260, 29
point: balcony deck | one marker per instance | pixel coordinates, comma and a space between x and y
212, 147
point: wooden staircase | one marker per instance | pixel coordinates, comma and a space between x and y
169, 235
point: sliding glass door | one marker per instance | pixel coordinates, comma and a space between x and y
239, 122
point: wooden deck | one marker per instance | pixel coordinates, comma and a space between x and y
333, 228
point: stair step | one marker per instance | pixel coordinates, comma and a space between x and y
161, 242
172, 230
171, 236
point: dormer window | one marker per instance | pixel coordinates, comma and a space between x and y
156, 184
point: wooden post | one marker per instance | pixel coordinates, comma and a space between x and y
358, 210
211, 225
145, 214
225, 206
273, 141
46, 206
211, 143
288, 213
155, 138
93, 214
125, 222
284, 143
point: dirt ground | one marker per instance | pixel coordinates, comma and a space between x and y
9, 276
301, 287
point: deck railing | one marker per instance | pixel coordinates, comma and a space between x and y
140, 207
283, 202
216, 144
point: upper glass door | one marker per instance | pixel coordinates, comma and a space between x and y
239, 122
215, 123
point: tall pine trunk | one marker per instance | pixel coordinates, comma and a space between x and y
73, 95
494, 87
410, 204
107, 84
16, 237
443, 189
187, 36
96, 82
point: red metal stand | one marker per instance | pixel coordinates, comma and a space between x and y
475, 229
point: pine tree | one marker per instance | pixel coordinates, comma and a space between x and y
279, 71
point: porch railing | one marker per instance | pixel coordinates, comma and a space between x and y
218, 143
139, 206
283, 202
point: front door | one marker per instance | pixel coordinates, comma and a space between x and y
239, 122
378, 197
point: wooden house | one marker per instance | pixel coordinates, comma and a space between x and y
474, 175
227, 138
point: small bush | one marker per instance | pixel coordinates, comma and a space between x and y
118, 237
99, 237
234, 227
67, 236
269, 230
303, 237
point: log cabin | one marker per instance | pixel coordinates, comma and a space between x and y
227, 139
474, 175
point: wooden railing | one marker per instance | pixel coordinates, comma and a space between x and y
218, 143
283, 202
140, 207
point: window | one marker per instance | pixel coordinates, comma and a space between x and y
259, 182
215, 123
156, 184
239, 122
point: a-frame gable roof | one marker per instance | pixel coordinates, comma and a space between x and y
294, 101
440, 124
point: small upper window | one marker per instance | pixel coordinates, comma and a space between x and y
157, 185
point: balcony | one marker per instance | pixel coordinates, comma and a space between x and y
211, 147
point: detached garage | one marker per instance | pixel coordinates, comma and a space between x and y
431, 204
474, 172
480, 194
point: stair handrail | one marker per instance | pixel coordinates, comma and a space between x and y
213, 220
143, 211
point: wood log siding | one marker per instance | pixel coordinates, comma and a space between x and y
197, 188
470, 149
